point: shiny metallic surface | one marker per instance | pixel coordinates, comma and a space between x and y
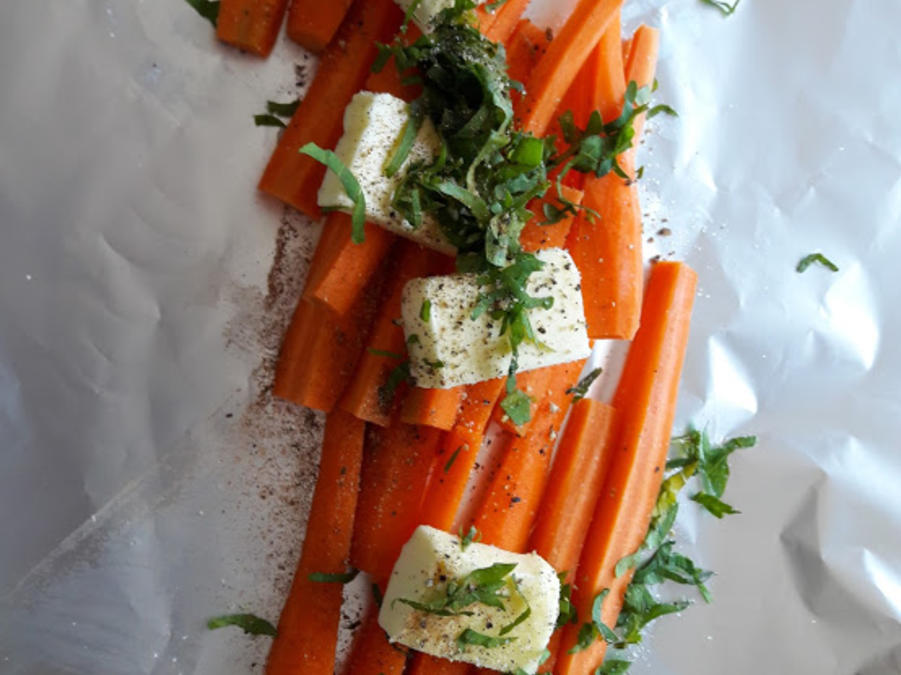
145, 485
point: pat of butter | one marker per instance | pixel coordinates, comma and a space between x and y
433, 558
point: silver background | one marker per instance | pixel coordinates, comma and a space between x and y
133, 260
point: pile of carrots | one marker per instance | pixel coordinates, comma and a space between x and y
579, 481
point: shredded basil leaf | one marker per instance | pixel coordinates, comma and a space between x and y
351, 187
471, 637
268, 121
384, 353
580, 391
408, 138
341, 578
453, 458
249, 623
817, 258
724, 7
469, 537
207, 9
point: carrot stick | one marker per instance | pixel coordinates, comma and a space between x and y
395, 470
524, 48
250, 25
313, 23
536, 236
294, 178
609, 89
607, 251
308, 627
641, 66
646, 403
320, 353
342, 268
372, 654
431, 407
389, 81
559, 66
505, 515
365, 396
579, 470
536, 384
505, 20
457, 455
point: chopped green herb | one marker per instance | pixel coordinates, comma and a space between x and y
425, 312
613, 667
399, 375
471, 637
487, 585
724, 7
268, 121
435, 365
453, 458
351, 187
283, 109
580, 391
517, 621
207, 9
413, 339
377, 595
469, 537
714, 505
249, 623
567, 613
386, 354
817, 258
518, 407
408, 138
341, 578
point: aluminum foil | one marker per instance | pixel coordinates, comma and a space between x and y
148, 481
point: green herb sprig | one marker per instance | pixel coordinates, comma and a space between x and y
815, 258
724, 7
208, 9
251, 624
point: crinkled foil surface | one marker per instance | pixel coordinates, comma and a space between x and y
147, 480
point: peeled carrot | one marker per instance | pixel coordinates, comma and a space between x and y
423, 664
251, 25
457, 455
372, 654
395, 471
607, 251
646, 403
579, 470
343, 68
342, 268
365, 396
308, 627
320, 353
431, 407
505, 20
312, 23
525, 47
641, 65
536, 236
505, 516
609, 89
558, 68
534, 383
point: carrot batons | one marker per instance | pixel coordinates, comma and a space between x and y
395, 470
565, 55
372, 654
607, 251
641, 65
508, 509
457, 455
320, 353
525, 47
431, 407
536, 235
505, 21
308, 627
645, 402
313, 23
294, 178
341, 270
251, 25
579, 470
365, 397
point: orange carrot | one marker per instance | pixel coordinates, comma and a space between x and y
250, 25
609, 89
524, 48
294, 178
536, 236
505, 516
457, 455
423, 664
372, 654
313, 23
320, 353
341, 269
607, 251
641, 65
574, 485
365, 396
505, 20
431, 407
565, 55
535, 383
308, 627
645, 401
395, 470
